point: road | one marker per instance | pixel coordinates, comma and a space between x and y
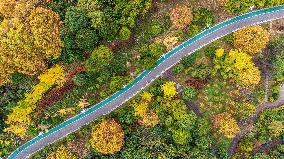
148, 76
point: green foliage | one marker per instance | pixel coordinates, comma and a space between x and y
70, 53
203, 17
107, 17
189, 93
178, 69
241, 6
201, 71
246, 144
189, 60
150, 53
156, 29
86, 39
193, 30
244, 110
124, 33
80, 79
75, 19
277, 59
100, 58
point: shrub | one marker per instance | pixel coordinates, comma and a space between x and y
124, 33
86, 39
75, 19
241, 6
156, 29
244, 110
107, 137
100, 58
177, 69
189, 93
181, 16
193, 30
20, 118
251, 39
246, 144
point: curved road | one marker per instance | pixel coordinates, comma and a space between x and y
144, 79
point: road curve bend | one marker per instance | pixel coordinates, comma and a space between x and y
145, 78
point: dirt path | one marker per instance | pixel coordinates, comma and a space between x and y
248, 125
191, 105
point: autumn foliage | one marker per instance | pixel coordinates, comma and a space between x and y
19, 119
27, 40
251, 39
226, 125
238, 66
61, 153
181, 16
107, 137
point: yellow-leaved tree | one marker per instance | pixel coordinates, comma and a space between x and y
27, 40
19, 119
169, 89
107, 137
251, 39
238, 66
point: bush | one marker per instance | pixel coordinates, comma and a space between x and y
156, 29
86, 39
189, 93
80, 79
241, 6
178, 69
75, 19
193, 30
124, 33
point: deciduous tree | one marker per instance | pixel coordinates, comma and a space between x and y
107, 137
251, 39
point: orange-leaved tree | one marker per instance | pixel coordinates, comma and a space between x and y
181, 16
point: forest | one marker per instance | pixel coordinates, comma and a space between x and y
58, 58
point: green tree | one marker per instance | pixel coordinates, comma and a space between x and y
75, 19
100, 58
86, 39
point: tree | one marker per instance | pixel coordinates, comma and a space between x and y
45, 26
169, 89
150, 53
226, 125
86, 39
107, 137
238, 66
76, 19
251, 39
61, 153
100, 58
26, 43
181, 16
